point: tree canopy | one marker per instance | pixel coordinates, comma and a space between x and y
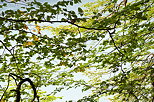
47, 44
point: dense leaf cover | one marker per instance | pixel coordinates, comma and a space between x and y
44, 44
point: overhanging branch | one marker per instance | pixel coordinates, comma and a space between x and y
36, 20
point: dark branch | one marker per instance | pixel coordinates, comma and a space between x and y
110, 34
10, 53
6, 88
114, 43
36, 20
11, 74
19, 87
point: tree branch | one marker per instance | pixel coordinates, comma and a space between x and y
10, 53
10, 75
110, 34
6, 88
36, 20
19, 87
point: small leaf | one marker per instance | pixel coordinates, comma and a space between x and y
25, 27
71, 3
80, 10
28, 43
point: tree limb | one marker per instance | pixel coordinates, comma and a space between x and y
36, 20
19, 87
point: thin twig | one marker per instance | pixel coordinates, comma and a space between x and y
6, 88
110, 34
10, 53
79, 32
96, 44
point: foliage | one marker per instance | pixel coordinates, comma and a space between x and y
46, 44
